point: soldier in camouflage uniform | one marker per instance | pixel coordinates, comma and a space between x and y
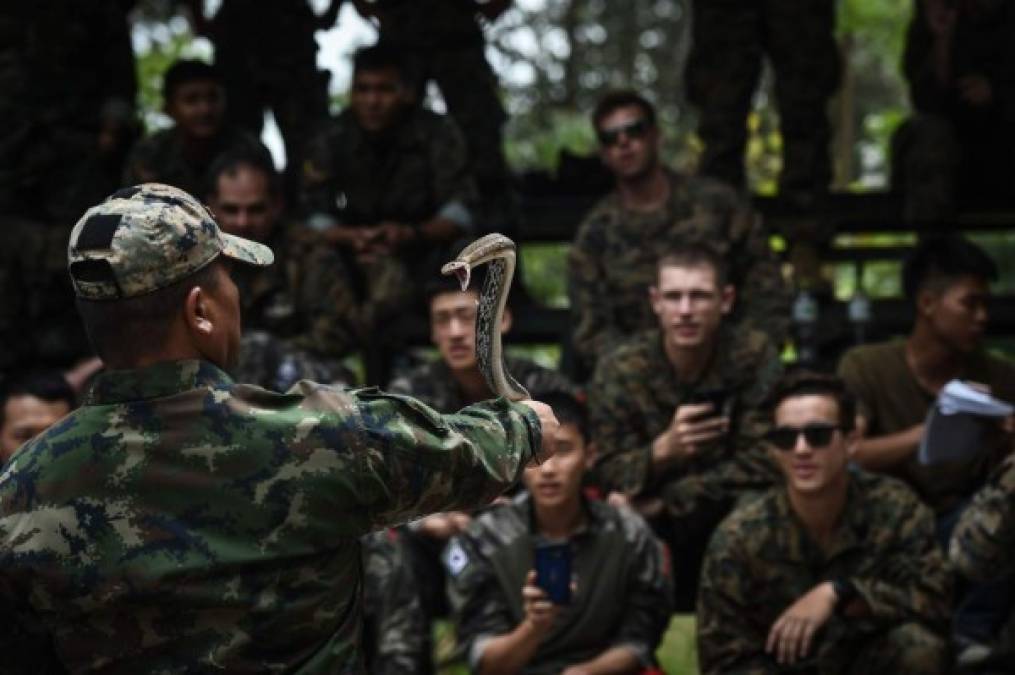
653, 210
393, 620
837, 571
675, 410
731, 40
444, 42
180, 522
305, 301
180, 156
620, 574
391, 178
448, 384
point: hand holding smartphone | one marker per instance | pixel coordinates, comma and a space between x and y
553, 571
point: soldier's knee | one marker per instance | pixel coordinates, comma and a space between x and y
916, 650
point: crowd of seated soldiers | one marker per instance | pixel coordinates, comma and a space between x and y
789, 510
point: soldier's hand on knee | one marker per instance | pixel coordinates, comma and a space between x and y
792, 635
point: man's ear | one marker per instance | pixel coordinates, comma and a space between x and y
197, 313
852, 439
926, 302
506, 320
727, 297
655, 299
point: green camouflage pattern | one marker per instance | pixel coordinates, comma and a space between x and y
635, 393
277, 364
761, 560
160, 158
732, 39
434, 384
163, 235
419, 169
620, 570
613, 260
982, 547
394, 623
180, 522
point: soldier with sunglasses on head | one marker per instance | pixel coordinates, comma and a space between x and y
835, 571
652, 210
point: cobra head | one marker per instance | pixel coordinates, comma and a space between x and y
461, 269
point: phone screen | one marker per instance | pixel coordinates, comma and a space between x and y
553, 571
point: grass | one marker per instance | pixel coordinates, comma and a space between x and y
678, 654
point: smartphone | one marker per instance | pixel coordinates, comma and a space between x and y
553, 571
717, 397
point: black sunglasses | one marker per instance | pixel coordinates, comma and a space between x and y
816, 435
633, 130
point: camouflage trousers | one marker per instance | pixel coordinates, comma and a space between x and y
908, 648
731, 39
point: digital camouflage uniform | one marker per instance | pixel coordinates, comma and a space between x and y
444, 42
180, 522
613, 260
950, 150
620, 570
632, 399
414, 173
761, 561
434, 384
393, 621
731, 39
159, 158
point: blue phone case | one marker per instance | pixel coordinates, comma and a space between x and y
553, 571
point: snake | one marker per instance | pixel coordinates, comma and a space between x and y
499, 252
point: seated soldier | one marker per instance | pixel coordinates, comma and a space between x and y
194, 98
30, 404
305, 298
652, 210
449, 384
834, 572
674, 409
619, 584
386, 177
982, 549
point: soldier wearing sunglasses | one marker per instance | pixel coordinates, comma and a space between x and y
835, 571
652, 211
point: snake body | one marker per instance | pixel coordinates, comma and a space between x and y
499, 252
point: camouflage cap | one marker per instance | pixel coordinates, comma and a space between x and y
146, 237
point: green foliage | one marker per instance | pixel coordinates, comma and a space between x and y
161, 43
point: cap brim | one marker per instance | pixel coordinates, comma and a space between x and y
246, 251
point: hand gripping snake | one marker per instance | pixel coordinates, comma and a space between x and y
499, 252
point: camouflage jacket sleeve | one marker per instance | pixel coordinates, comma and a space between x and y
912, 581
626, 460
983, 543
478, 605
647, 600
594, 332
454, 188
728, 641
415, 461
392, 606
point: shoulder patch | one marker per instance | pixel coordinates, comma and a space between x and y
457, 558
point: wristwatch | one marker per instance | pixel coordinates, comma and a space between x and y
845, 593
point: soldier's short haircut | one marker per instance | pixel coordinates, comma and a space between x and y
125, 330
184, 71
380, 57
694, 255
937, 262
567, 409
250, 156
622, 98
47, 385
802, 382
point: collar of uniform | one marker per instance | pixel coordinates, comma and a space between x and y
714, 375
797, 544
155, 381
